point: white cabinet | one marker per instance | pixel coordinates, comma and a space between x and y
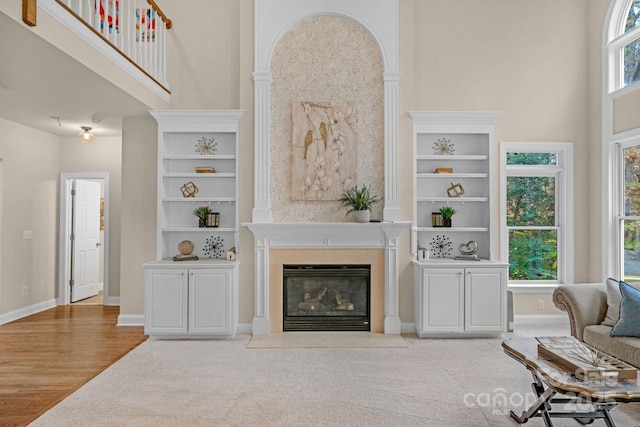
439, 300
455, 298
191, 298
452, 167
197, 167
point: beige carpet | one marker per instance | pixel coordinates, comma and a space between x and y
327, 340
430, 382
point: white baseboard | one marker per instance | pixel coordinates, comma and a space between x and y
244, 328
131, 320
26, 311
541, 318
408, 328
115, 301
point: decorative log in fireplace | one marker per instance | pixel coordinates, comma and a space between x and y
326, 297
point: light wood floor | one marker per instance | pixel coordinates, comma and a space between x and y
94, 300
47, 356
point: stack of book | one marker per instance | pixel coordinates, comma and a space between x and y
188, 257
473, 257
205, 169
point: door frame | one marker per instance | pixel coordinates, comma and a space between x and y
64, 258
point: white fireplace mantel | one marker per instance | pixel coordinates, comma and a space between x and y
329, 235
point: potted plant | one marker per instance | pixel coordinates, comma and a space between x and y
447, 212
359, 200
202, 213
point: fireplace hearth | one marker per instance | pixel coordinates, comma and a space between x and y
326, 297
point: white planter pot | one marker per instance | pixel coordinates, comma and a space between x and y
362, 216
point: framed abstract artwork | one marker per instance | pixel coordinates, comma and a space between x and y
323, 149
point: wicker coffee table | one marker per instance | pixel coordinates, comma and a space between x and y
550, 379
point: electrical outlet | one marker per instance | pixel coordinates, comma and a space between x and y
540, 304
27, 234
25, 291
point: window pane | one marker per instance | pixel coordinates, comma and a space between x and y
632, 62
533, 255
531, 200
632, 181
633, 17
532, 159
631, 251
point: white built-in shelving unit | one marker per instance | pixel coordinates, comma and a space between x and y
199, 297
455, 297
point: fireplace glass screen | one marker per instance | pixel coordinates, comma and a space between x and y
326, 297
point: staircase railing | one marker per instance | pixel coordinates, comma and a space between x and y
135, 28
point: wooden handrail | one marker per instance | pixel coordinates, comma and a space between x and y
29, 8
161, 14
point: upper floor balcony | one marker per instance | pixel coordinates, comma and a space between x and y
131, 33
82, 64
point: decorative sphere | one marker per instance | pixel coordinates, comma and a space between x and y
185, 247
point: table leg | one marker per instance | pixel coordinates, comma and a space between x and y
542, 408
607, 417
539, 405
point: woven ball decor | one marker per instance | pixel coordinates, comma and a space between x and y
185, 247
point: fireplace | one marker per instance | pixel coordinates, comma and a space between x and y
326, 297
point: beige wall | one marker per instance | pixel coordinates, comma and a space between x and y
29, 193
103, 155
626, 112
595, 26
139, 200
526, 59
203, 48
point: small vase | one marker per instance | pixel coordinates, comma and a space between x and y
362, 216
202, 222
446, 222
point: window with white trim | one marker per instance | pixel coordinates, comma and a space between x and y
621, 150
628, 215
536, 206
631, 50
623, 44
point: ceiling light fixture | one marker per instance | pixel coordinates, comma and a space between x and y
86, 135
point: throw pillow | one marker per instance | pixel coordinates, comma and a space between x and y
613, 302
628, 325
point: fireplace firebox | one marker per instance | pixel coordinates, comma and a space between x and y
326, 297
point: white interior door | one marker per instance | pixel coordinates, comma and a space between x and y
85, 253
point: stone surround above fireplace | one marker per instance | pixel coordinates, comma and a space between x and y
339, 243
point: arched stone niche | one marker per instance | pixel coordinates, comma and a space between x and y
273, 20
326, 59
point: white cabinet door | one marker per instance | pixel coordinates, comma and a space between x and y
165, 301
485, 302
210, 301
442, 300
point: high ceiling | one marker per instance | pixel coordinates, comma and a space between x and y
43, 88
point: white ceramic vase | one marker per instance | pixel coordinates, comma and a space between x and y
363, 216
